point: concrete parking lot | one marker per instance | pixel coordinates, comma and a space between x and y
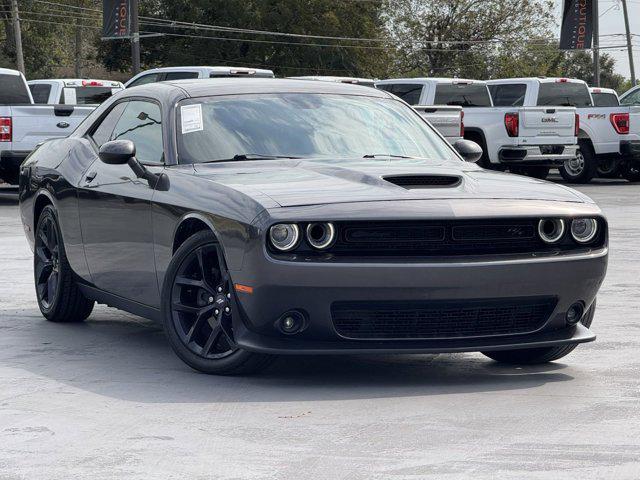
108, 398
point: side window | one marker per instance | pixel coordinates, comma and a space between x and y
180, 75
149, 78
40, 92
409, 92
141, 123
102, 133
508, 95
632, 99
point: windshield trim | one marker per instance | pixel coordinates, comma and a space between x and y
386, 97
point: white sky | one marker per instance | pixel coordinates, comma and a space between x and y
612, 21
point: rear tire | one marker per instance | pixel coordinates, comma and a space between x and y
196, 294
609, 168
59, 297
583, 167
533, 356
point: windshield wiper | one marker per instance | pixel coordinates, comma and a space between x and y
241, 157
374, 155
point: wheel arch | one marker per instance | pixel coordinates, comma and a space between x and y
42, 198
189, 225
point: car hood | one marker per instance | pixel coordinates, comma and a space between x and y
312, 182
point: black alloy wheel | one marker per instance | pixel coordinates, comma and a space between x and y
200, 302
59, 296
198, 309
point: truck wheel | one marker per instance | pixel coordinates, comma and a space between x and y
631, 172
583, 167
609, 168
531, 356
540, 173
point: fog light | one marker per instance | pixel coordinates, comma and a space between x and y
291, 322
574, 314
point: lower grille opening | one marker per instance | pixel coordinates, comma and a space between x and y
440, 319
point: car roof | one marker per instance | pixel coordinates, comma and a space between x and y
216, 69
238, 86
603, 90
8, 71
535, 79
429, 79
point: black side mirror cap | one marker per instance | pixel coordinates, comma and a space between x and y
468, 150
117, 152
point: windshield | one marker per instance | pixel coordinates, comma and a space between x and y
564, 94
303, 125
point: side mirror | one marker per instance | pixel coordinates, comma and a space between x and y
117, 152
468, 150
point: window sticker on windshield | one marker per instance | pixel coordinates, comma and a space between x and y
69, 96
191, 116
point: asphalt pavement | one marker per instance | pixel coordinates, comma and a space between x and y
108, 398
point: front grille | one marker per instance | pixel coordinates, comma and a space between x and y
423, 181
440, 320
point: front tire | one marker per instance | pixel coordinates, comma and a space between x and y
583, 167
631, 172
533, 356
197, 310
58, 294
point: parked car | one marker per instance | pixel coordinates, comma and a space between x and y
631, 96
262, 217
604, 97
180, 73
527, 140
604, 135
72, 91
367, 82
24, 125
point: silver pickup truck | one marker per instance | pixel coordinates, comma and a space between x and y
23, 125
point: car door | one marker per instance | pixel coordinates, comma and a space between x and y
115, 205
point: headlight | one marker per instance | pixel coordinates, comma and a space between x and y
583, 230
321, 235
284, 236
551, 230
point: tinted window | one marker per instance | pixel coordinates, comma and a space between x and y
508, 95
13, 90
564, 94
463, 94
149, 78
632, 99
141, 123
180, 75
40, 92
102, 133
89, 95
409, 92
305, 126
605, 100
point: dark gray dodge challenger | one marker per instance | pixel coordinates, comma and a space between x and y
258, 217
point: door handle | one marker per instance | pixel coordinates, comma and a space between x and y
90, 176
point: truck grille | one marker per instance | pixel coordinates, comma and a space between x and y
440, 320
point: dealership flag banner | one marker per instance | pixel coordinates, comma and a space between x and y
116, 19
577, 25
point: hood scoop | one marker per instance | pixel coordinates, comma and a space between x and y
411, 182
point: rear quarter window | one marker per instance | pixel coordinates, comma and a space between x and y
564, 94
40, 92
462, 94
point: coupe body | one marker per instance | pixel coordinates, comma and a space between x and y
260, 217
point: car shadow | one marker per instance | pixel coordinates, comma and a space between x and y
121, 356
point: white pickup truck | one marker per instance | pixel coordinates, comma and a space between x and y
605, 138
24, 125
181, 73
526, 140
72, 91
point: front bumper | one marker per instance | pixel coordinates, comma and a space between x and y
312, 288
537, 155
